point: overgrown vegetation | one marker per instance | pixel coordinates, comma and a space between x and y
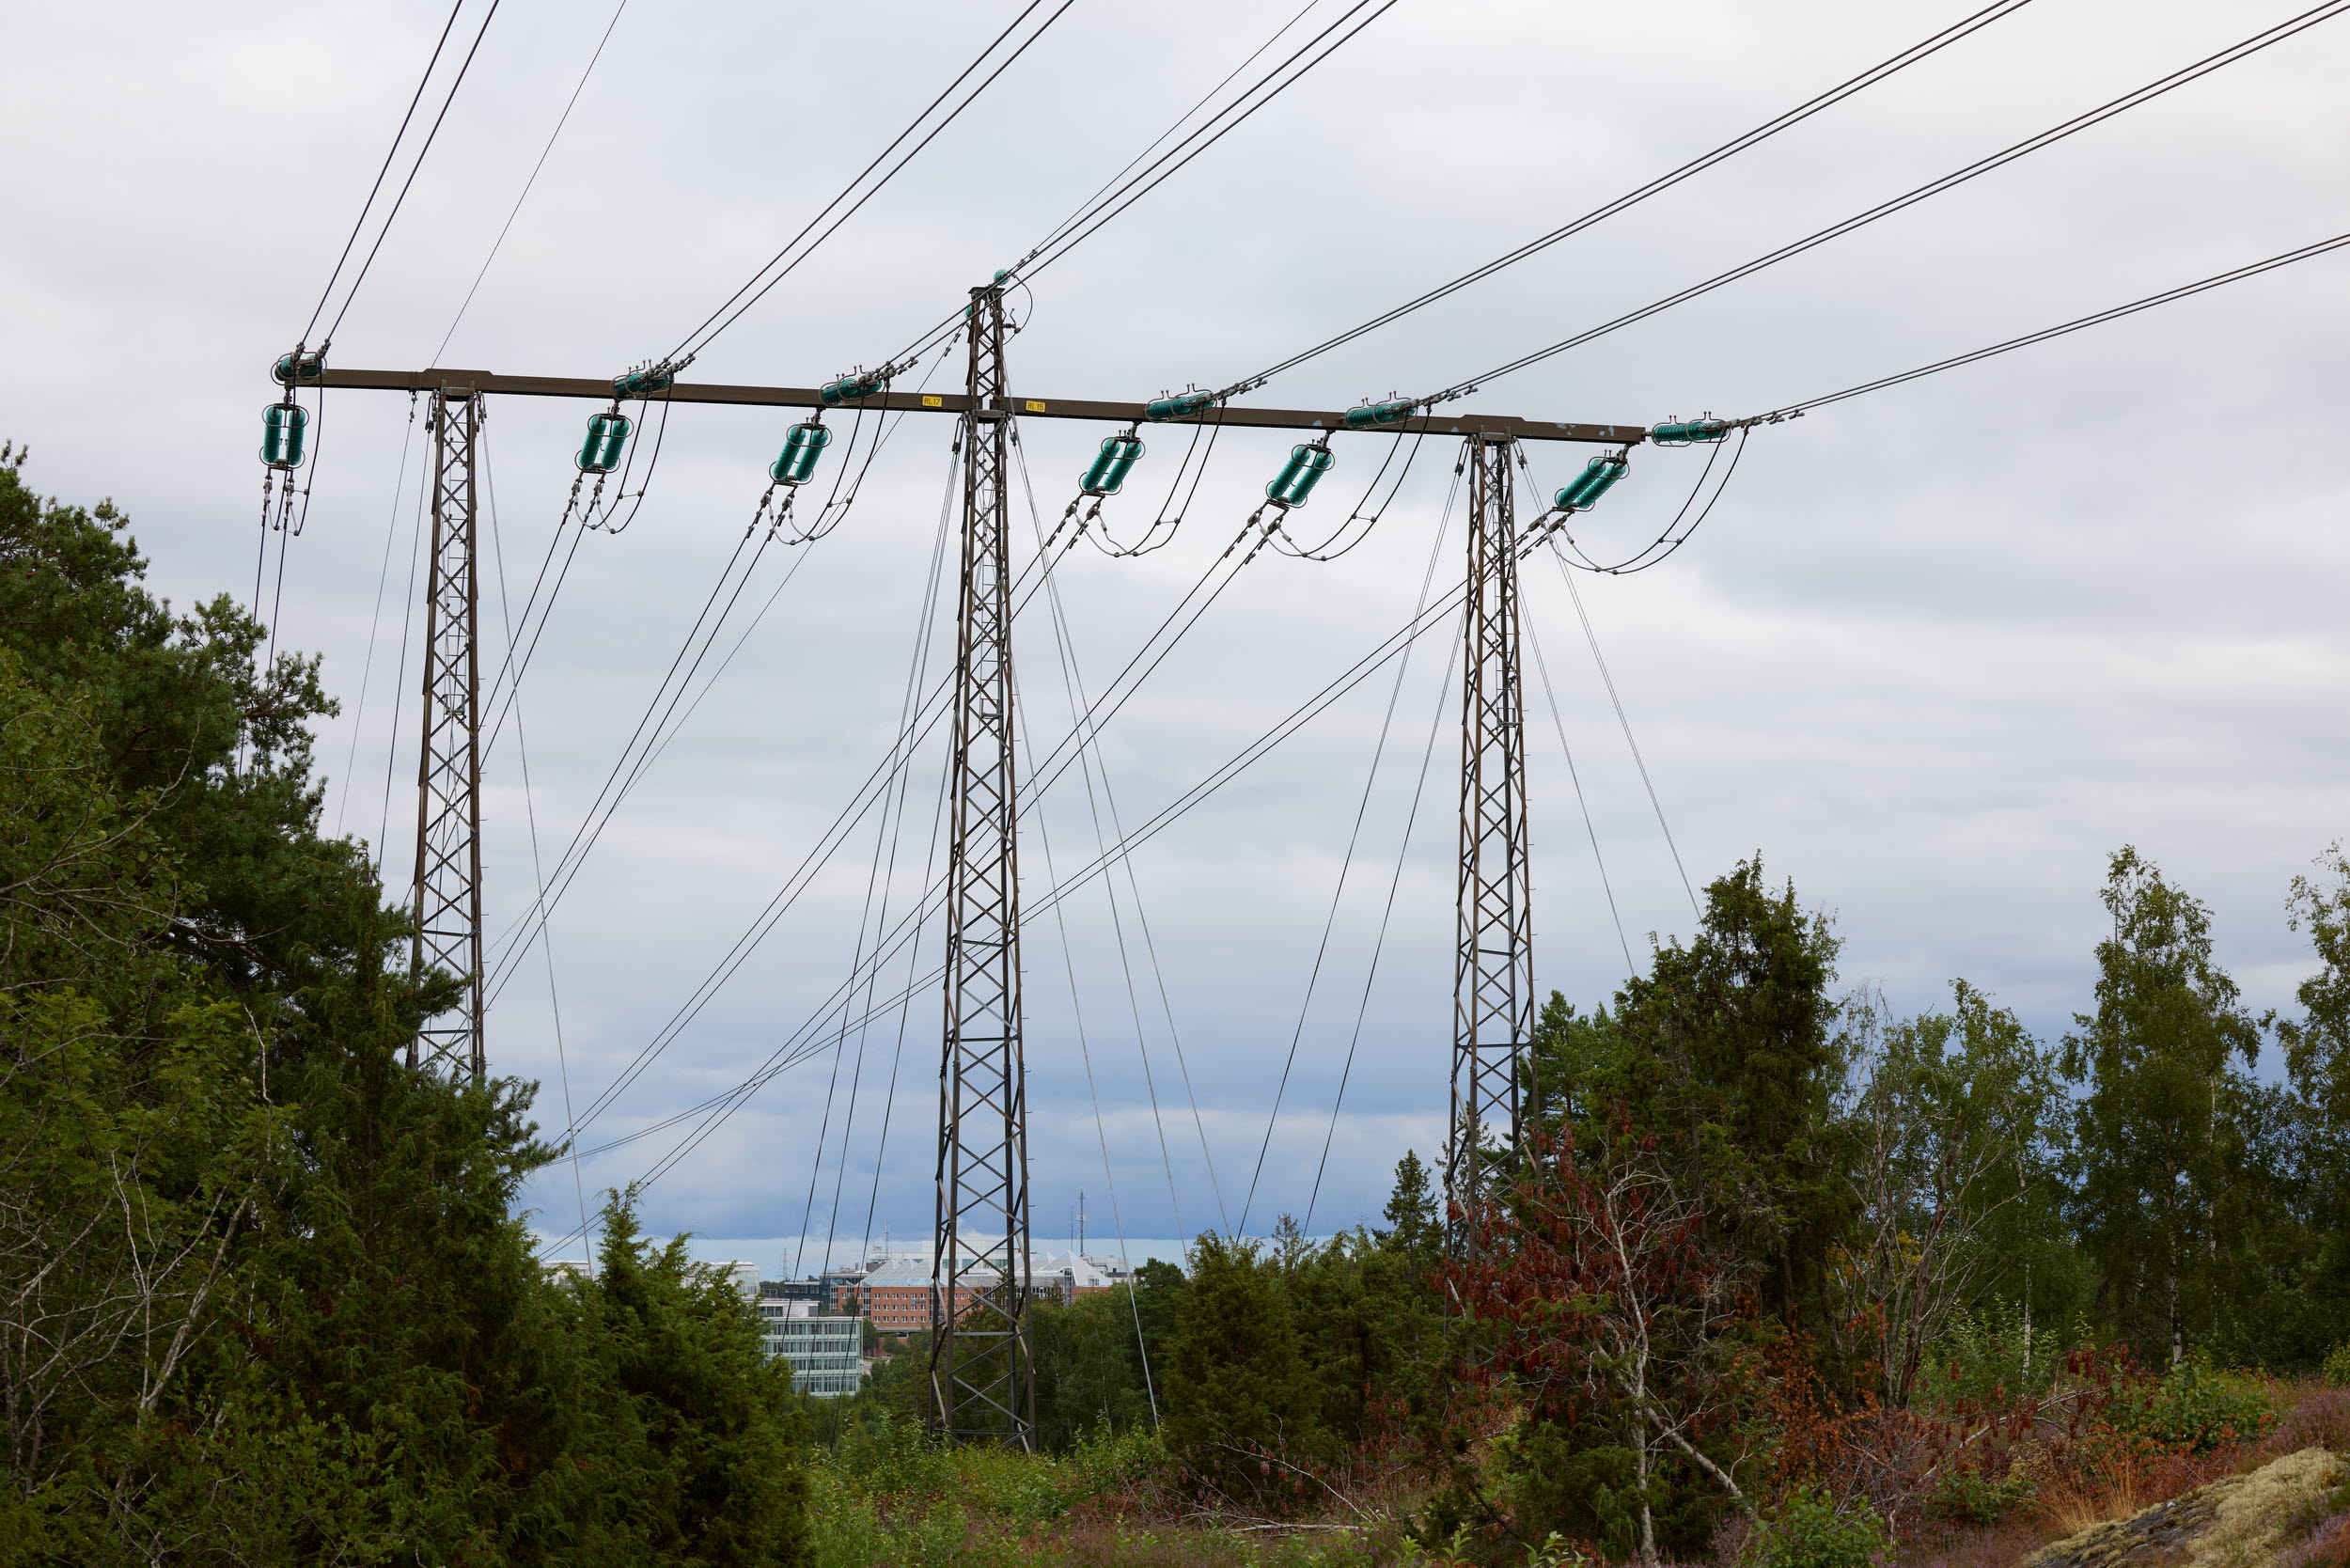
263, 1295
1780, 1277
1776, 1277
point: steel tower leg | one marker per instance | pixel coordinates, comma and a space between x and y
982, 1371
449, 765
1492, 985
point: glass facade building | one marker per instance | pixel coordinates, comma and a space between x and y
826, 1354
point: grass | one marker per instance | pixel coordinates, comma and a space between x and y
888, 1496
885, 1497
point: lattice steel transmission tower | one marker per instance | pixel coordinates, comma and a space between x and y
1493, 984
982, 1370
448, 762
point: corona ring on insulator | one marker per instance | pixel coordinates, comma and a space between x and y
1112, 464
852, 388
1687, 432
1370, 415
643, 382
607, 437
301, 367
282, 428
802, 445
1584, 491
1177, 404
1298, 477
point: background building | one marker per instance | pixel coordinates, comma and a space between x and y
826, 1354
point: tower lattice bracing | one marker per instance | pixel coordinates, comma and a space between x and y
983, 1373
448, 765
1492, 985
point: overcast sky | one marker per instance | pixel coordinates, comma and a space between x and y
1937, 653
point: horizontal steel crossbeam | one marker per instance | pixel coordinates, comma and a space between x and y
1465, 423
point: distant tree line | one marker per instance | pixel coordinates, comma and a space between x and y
1746, 1190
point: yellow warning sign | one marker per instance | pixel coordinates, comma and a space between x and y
929, 401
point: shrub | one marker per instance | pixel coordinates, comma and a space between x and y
1994, 1356
2197, 1409
1809, 1530
2337, 1367
1972, 1495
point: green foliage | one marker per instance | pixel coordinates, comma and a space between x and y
2198, 1408
1088, 1367
1242, 1402
1415, 1232
890, 1494
1992, 1354
1972, 1496
1957, 1122
1728, 1048
704, 1445
1811, 1529
2337, 1367
2317, 1065
263, 1295
2173, 1198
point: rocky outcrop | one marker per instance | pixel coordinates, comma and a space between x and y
2238, 1522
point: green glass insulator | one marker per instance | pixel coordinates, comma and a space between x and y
293, 368
1683, 433
802, 445
1589, 485
282, 428
1111, 465
1179, 405
637, 384
607, 437
1298, 477
850, 389
1379, 414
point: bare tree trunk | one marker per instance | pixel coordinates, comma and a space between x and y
1640, 1470
2178, 1329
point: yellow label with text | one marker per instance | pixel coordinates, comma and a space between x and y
1035, 407
933, 402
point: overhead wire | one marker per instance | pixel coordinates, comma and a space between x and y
881, 878
1074, 684
730, 311
1379, 940
413, 168
797, 1048
1346, 861
2185, 291
1110, 203
1665, 545
375, 618
560, 121
1925, 49
391, 152
634, 761
399, 674
530, 818
1093, 1093
2169, 81
721, 1107
1574, 777
933, 588
1167, 165
1616, 699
